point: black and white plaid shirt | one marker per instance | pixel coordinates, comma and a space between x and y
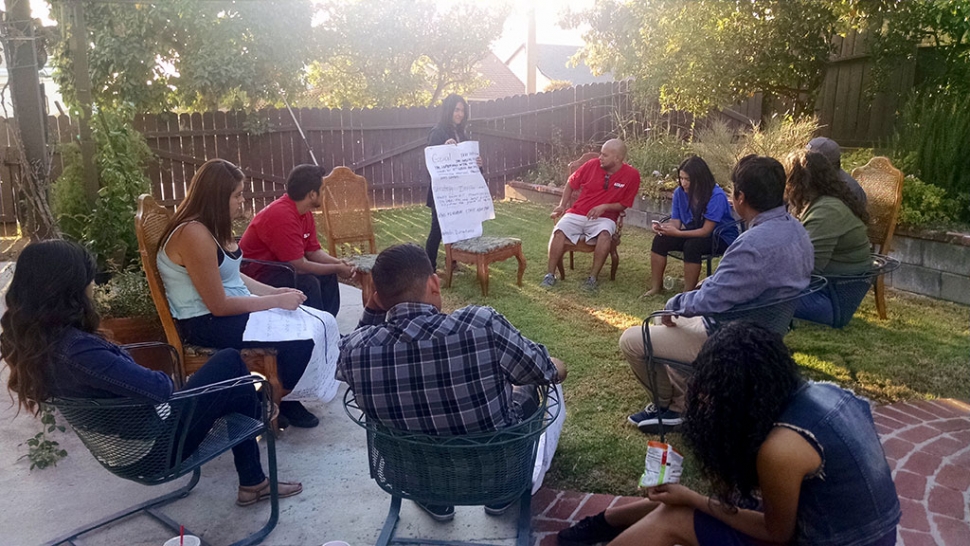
422, 370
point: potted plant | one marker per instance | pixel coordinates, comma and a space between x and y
127, 311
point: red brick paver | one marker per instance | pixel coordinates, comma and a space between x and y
928, 447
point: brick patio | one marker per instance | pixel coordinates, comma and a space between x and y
928, 447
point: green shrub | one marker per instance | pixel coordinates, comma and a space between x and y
856, 158
107, 229
932, 141
926, 205
126, 294
657, 153
552, 169
721, 147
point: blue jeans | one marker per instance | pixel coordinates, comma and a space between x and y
226, 364
816, 307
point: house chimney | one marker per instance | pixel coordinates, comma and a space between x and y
531, 53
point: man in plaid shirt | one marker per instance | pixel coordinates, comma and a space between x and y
415, 368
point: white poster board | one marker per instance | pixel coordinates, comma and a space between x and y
461, 195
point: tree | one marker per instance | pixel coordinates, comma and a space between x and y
697, 55
379, 53
187, 53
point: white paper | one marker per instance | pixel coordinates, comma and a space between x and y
461, 196
318, 381
548, 443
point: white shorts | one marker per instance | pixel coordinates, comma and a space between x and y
573, 225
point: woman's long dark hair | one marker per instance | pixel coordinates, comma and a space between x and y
810, 176
207, 200
744, 378
447, 122
701, 186
47, 295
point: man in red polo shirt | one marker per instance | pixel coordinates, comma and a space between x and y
285, 232
607, 186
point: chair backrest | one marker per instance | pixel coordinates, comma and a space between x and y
150, 223
473, 469
775, 315
883, 185
132, 440
579, 162
346, 210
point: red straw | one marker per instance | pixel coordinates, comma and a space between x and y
181, 535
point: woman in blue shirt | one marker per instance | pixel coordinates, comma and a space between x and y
699, 207
51, 343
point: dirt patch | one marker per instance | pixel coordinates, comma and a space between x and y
10, 248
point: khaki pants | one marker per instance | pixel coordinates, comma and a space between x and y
681, 342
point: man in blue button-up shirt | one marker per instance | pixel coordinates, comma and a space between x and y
772, 260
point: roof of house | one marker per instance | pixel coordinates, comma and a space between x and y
501, 81
552, 61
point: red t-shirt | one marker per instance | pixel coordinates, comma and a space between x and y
278, 233
623, 187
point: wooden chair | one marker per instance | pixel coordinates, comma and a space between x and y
467, 470
150, 223
138, 441
883, 185
482, 251
347, 221
582, 245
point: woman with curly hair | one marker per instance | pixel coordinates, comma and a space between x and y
789, 461
836, 223
51, 344
699, 206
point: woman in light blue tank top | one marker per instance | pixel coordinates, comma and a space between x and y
210, 299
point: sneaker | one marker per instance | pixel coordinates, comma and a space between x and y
648, 420
438, 512
297, 415
498, 509
589, 530
589, 285
548, 281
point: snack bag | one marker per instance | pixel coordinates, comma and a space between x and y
663, 465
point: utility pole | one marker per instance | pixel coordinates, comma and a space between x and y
531, 53
32, 179
82, 87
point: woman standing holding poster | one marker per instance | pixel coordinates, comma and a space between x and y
450, 129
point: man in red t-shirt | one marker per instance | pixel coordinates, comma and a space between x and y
607, 186
285, 232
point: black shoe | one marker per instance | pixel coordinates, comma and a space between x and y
282, 422
297, 415
498, 509
589, 530
438, 512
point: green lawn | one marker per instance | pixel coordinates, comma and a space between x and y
920, 352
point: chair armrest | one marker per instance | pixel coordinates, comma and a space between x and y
279, 265
149, 355
718, 230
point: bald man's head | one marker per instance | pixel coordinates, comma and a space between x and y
612, 155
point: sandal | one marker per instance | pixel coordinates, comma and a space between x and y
251, 494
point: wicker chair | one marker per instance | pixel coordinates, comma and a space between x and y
143, 442
474, 469
847, 291
717, 246
774, 315
883, 185
348, 224
582, 245
150, 223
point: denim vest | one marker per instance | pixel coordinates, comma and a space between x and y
851, 500
183, 299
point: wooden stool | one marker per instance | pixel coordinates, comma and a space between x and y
482, 251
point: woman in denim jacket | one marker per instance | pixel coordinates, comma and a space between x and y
50, 342
805, 455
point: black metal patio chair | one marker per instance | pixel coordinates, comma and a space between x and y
717, 244
847, 291
774, 315
469, 470
143, 442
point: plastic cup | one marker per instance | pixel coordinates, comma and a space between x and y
336, 543
187, 540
